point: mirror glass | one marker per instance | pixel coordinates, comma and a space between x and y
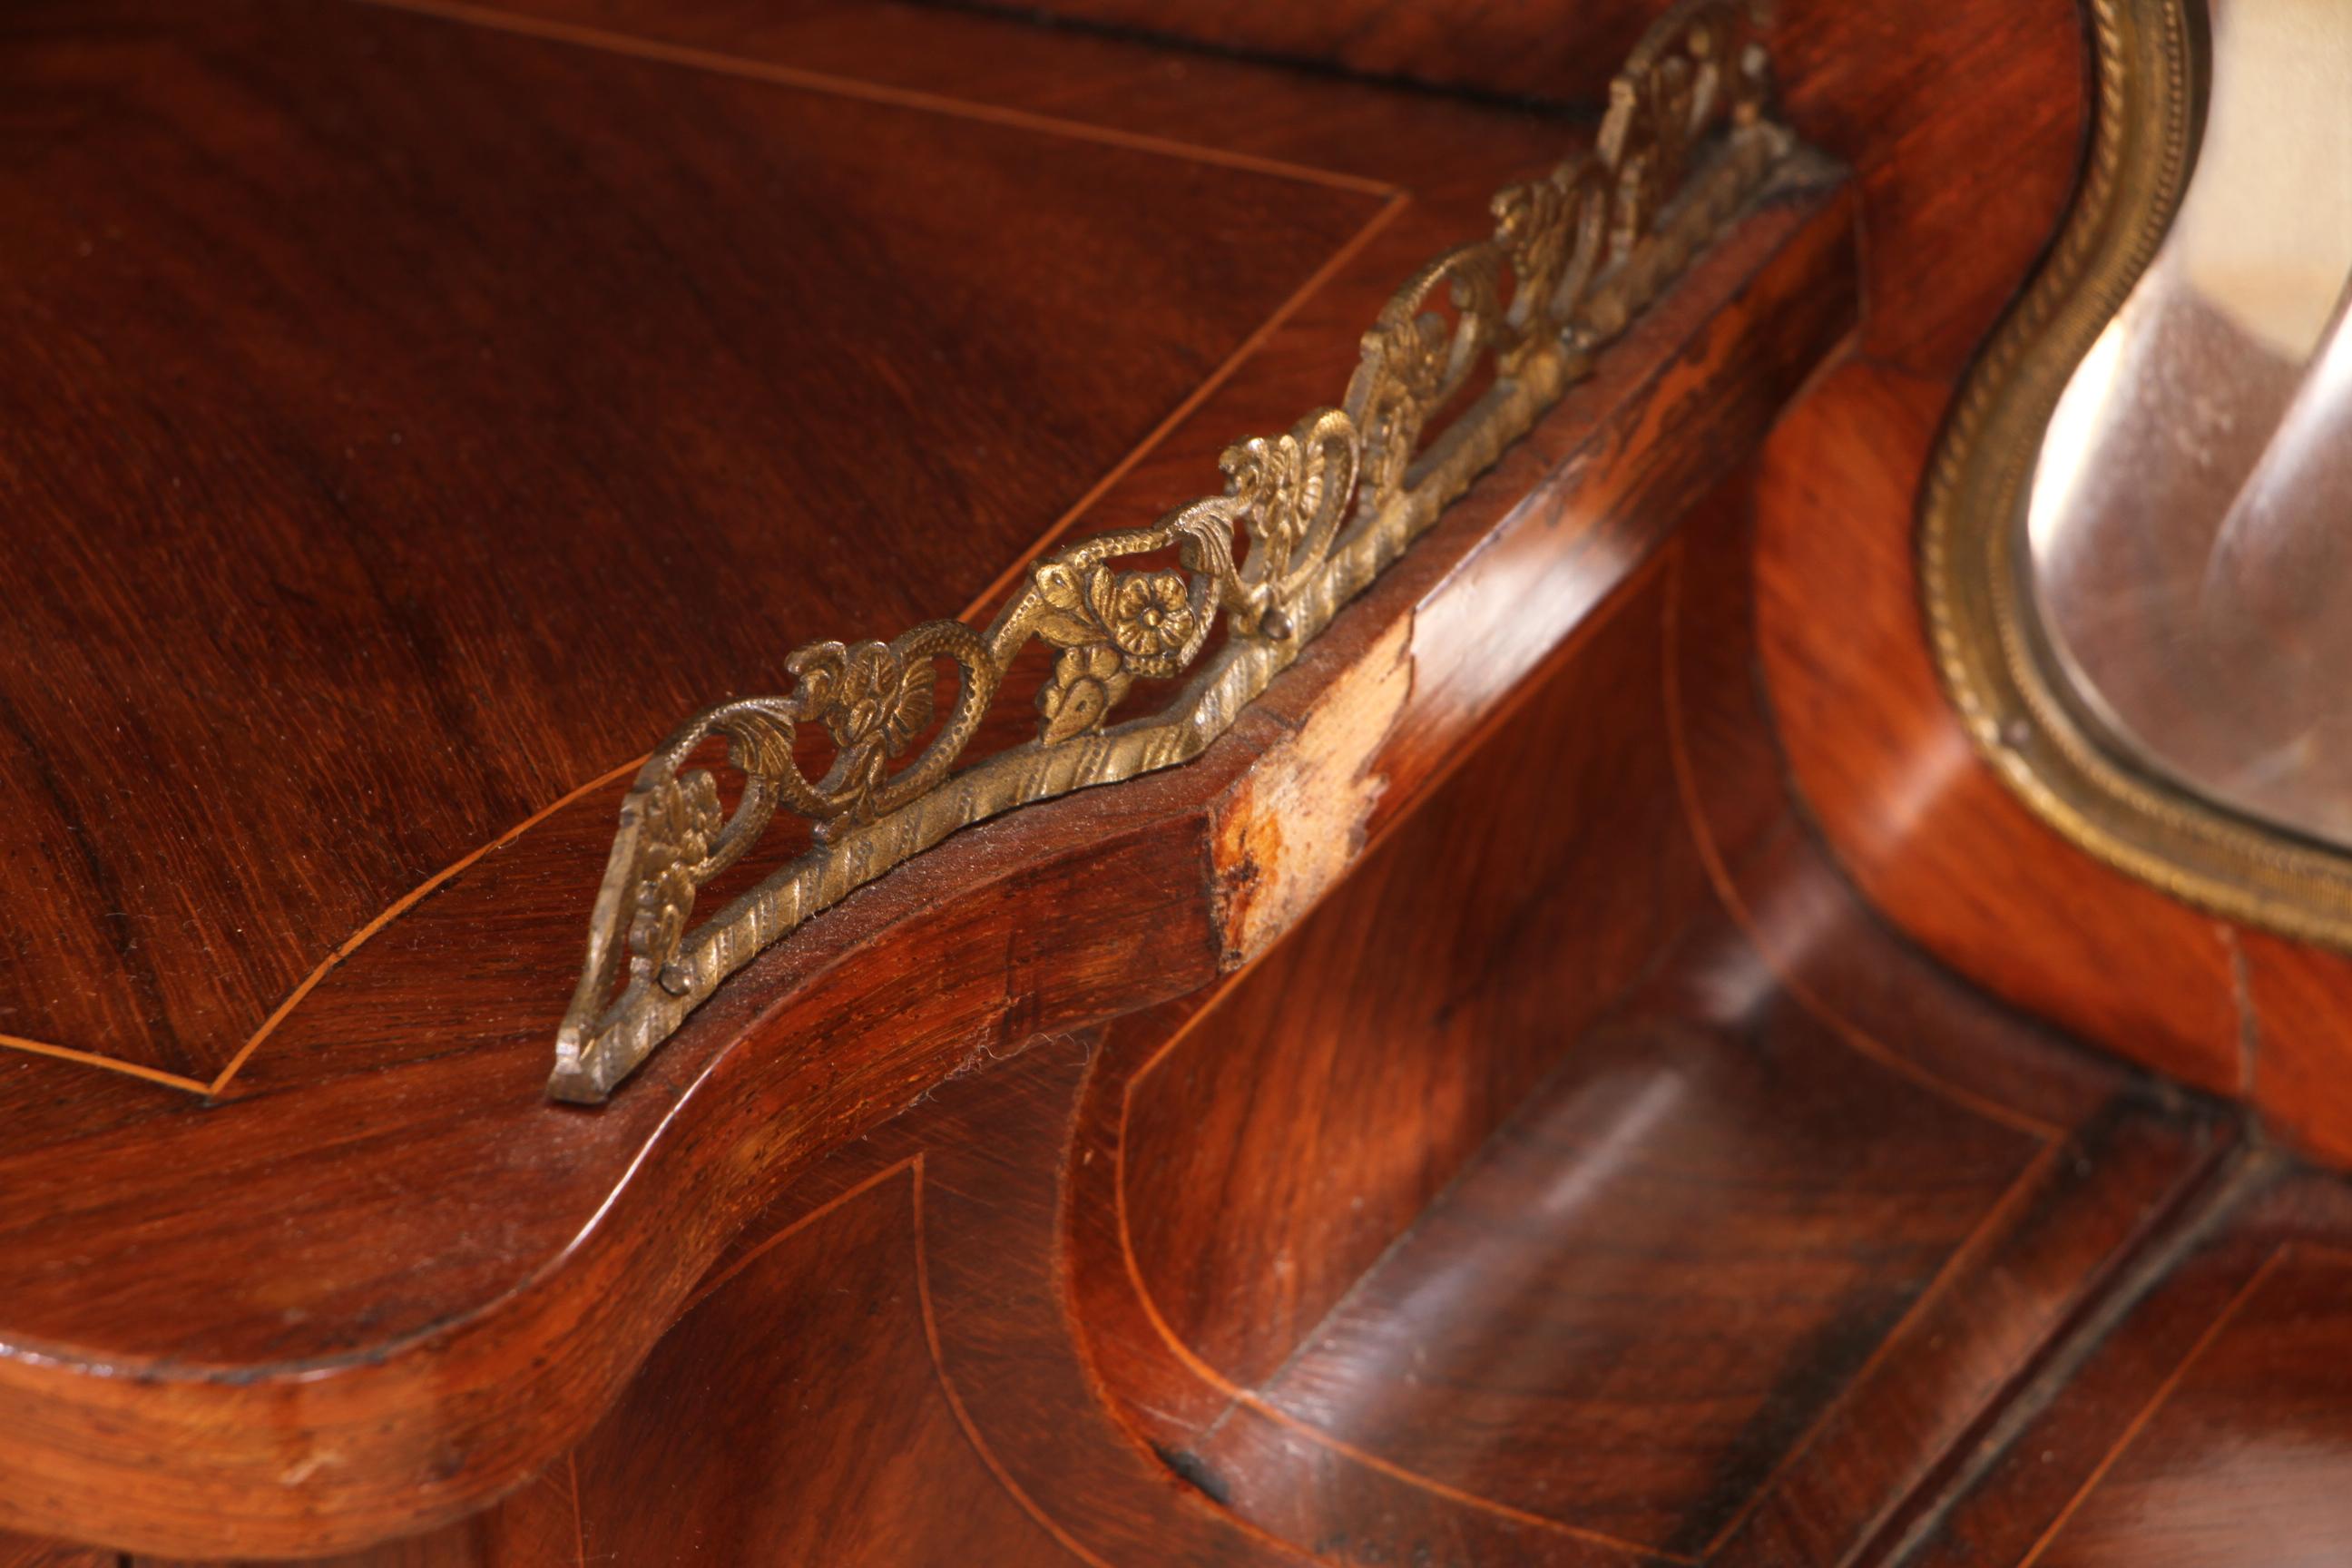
2188, 525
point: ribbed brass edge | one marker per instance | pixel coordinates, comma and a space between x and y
1752, 166
1972, 571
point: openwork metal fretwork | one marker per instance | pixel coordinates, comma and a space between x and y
1308, 518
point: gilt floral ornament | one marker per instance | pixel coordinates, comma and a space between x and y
1151, 614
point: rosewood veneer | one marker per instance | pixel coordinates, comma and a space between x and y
1589, 1068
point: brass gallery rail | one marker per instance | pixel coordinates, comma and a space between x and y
1326, 508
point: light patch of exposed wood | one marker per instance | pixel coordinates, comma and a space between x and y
1296, 822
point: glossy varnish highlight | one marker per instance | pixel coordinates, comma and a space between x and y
397, 1247
1789, 1222
1590, 1178
394, 464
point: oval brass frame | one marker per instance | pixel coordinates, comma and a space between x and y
1994, 659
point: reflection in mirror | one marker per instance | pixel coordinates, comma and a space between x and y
2190, 521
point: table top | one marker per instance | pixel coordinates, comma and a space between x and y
408, 414
407, 422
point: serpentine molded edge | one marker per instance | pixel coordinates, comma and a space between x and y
1308, 520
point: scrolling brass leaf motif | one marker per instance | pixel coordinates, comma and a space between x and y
1696, 66
874, 699
1555, 234
1078, 608
1111, 626
1090, 676
1535, 228
873, 702
1088, 681
675, 838
679, 822
1415, 360
1319, 511
1293, 490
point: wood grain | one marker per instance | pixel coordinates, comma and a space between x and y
1574, 1282
1965, 125
384, 493
994, 1218
1518, 48
406, 1340
535, 1526
1963, 121
1914, 817
2268, 1375
2205, 1428
2296, 1001
1935, 1212
1404, 1020
933, 1408
23, 1552
1926, 831
861, 1458
1516, 1379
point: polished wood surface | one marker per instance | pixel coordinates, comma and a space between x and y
949, 1405
1940, 846
1792, 1217
1677, 1158
1516, 48
1475, 1114
1913, 813
1435, 994
1930, 836
23, 1552
335, 1359
2205, 1427
857, 1349
2297, 1003
1966, 124
1530, 1371
1963, 121
383, 494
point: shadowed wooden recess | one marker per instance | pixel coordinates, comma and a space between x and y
1670, 1311
2209, 1424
